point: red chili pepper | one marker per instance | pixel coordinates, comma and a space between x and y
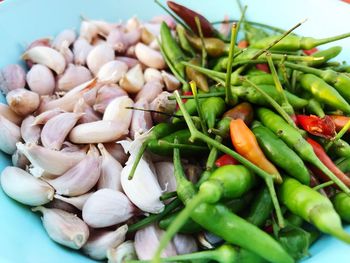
309, 52
268, 229
225, 160
322, 127
324, 158
189, 15
243, 44
339, 121
263, 67
189, 93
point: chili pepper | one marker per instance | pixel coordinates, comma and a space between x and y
196, 76
246, 145
222, 128
261, 208
312, 207
185, 45
339, 121
172, 49
295, 140
263, 67
213, 107
225, 159
322, 127
294, 43
214, 46
341, 202
242, 111
326, 54
340, 148
190, 106
344, 165
311, 51
254, 34
322, 155
189, 227
188, 16
324, 92
315, 107
243, 44
280, 154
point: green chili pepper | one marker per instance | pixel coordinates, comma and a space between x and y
344, 165
341, 202
172, 49
280, 154
340, 148
326, 54
197, 77
312, 207
254, 34
185, 45
190, 106
295, 140
314, 107
242, 111
294, 43
324, 92
189, 227
213, 108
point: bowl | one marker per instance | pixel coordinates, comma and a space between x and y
23, 238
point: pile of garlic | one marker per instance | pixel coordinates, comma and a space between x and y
61, 126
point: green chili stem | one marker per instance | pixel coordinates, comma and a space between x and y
204, 95
138, 158
242, 18
200, 32
272, 191
198, 106
213, 154
338, 136
155, 111
185, 257
321, 186
154, 217
195, 134
283, 69
273, 103
229, 96
181, 146
167, 196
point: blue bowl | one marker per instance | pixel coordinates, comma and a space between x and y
22, 237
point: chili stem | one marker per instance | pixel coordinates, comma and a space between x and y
138, 158
155, 111
182, 146
283, 69
198, 106
321, 186
242, 18
338, 136
213, 155
204, 95
167, 196
229, 96
200, 32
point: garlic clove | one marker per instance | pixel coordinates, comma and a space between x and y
130, 52
122, 253
133, 80
150, 91
132, 23
141, 121
147, 241
164, 18
98, 56
25, 188
88, 30
166, 178
100, 241
46, 56
154, 45
76, 201
66, 52
132, 37
9, 114
118, 110
163, 104
29, 131
22, 101
44, 117
46, 42
185, 244
171, 82
152, 74
110, 171
64, 228
146, 35
107, 207
112, 72
73, 76
19, 160
80, 178
12, 77
40, 79
103, 27
53, 162
10, 134
117, 152
130, 62
67, 35
58, 204
106, 94
149, 56
71, 147
116, 40
81, 49
89, 115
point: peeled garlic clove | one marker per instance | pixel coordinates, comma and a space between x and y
53, 162
103, 27
106, 94
130, 62
72, 77
22, 101
100, 241
10, 134
42, 118
154, 45
116, 150
88, 30
107, 207
141, 121
171, 82
143, 190
184, 244
152, 74
133, 80
122, 253
19, 160
146, 36
99, 131
76, 201
163, 104
99, 56
147, 241
66, 52
117, 110
67, 35
166, 178
80, 178
149, 56
40, 79
25, 188
89, 115
46, 56
110, 171
150, 91
12, 77
112, 71
130, 52
9, 114
29, 131
132, 37
57, 128
81, 49
132, 24
116, 40
65, 228
46, 42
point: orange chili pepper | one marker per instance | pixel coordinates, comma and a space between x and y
245, 143
339, 121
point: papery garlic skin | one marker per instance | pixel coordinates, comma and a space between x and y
25, 188
10, 134
65, 228
122, 253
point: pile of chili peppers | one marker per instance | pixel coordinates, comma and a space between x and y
269, 120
